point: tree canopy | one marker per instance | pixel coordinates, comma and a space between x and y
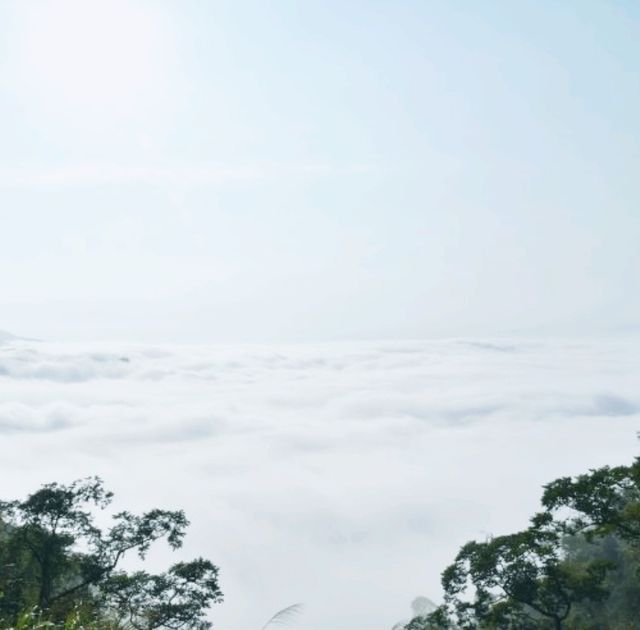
56, 560
577, 566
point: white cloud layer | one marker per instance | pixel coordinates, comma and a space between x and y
344, 476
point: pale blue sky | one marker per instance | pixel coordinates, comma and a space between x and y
228, 171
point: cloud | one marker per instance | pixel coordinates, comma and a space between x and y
20, 417
342, 475
21, 361
608, 405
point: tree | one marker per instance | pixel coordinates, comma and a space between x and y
516, 581
621, 609
601, 511
172, 600
58, 557
437, 620
577, 566
603, 501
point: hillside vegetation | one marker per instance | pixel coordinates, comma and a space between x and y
576, 567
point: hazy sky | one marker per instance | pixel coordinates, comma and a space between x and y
203, 171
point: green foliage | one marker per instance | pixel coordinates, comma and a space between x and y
56, 563
621, 609
437, 620
174, 599
577, 566
518, 581
602, 501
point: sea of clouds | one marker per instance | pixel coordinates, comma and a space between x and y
344, 476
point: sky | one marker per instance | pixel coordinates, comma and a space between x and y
285, 171
344, 476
